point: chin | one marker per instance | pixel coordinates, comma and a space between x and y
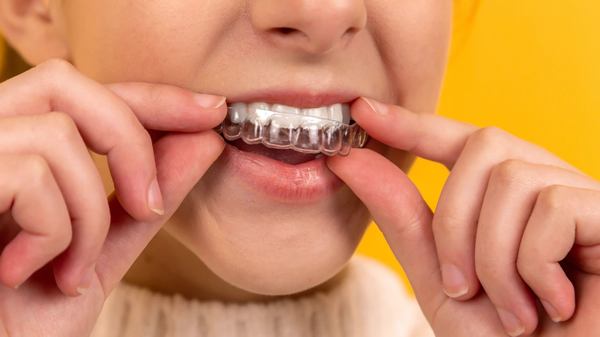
268, 241
281, 257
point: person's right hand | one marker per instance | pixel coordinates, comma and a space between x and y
59, 234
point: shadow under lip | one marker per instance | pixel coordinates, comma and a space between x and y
289, 157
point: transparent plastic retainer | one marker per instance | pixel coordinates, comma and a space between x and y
326, 130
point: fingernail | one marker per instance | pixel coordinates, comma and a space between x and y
512, 325
86, 280
552, 312
155, 202
455, 283
378, 108
209, 101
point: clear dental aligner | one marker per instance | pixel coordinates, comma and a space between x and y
325, 130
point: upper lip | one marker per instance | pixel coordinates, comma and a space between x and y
295, 98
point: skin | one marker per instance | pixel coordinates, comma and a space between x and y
138, 66
239, 246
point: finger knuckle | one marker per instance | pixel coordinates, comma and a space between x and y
488, 144
552, 199
410, 222
448, 224
55, 69
39, 175
60, 127
490, 135
509, 172
155, 95
37, 169
137, 140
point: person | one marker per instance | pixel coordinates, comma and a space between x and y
213, 238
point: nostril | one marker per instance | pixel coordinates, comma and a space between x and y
349, 34
351, 31
285, 30
289, 33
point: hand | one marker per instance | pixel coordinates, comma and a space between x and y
56, 232
512, 217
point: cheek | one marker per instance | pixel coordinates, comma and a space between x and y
414, 41
167, 40
270, 249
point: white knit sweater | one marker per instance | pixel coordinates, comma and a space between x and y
370, 302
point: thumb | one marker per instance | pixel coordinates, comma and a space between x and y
404, 218
181, 160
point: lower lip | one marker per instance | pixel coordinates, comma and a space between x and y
307, 182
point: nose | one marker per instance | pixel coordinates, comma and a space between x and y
313, 26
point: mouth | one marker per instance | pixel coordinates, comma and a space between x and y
282, 152
289, 134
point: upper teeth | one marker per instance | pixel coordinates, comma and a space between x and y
239, 112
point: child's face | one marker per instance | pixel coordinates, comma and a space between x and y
260, 225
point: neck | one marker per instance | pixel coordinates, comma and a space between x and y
166, 266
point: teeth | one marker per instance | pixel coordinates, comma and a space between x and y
260, 111
285, 108
238, 112
292, 121
345, 113
335, 112
318, 112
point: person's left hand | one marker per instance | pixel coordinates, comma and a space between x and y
516, 230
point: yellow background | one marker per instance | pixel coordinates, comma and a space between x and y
530, 67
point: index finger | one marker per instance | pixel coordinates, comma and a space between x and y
109, 125
404, 218
429, 136
168, 108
